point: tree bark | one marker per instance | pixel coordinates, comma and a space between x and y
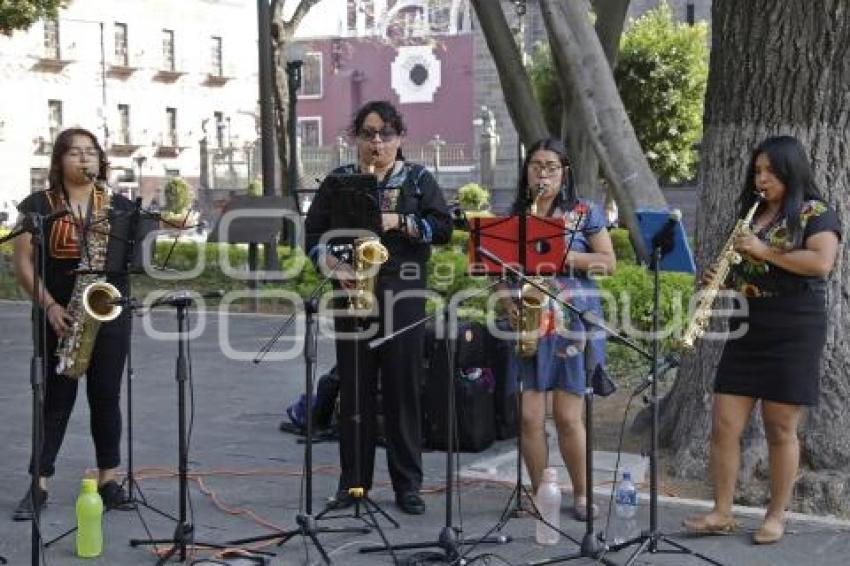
776, 68
586, 73
519, 95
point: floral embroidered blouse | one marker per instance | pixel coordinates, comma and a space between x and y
755, 278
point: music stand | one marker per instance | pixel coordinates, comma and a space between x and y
663, 233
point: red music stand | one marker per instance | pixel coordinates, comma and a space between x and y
533, 247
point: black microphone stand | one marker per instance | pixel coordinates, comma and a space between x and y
38, 370
590, 547
448, 539
184, 532
306, 522
648, 541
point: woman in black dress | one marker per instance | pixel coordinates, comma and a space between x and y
787, 256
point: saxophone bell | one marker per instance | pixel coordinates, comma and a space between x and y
98, 301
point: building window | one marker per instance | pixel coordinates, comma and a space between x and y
54, 119
368, 8
38, 179
124, 124
351, 16
689, 13
217, 69
51, 39
168, 50
310, 131
121, 56
220, 129
311, 75
170, 127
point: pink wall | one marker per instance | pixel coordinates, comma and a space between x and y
356, 71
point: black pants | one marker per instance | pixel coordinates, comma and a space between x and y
103, 388
396, 363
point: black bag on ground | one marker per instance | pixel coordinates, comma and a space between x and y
325, 408
473, 387
505, 410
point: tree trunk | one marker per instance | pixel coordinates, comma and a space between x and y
586, 73
610, 16
519, 96
776, 68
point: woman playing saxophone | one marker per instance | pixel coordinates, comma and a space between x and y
77, 156
787, 255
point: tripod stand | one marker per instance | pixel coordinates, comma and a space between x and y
184, 531
649, 541
306, 522
448, 539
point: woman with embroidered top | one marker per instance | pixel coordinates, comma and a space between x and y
560, 361
76, 157
787, 256
414, 216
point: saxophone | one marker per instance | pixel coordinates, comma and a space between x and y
533, 302
727, 258
90, 303
369, 255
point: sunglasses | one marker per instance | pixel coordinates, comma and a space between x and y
386, 133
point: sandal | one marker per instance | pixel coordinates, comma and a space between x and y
702, 526
769, 535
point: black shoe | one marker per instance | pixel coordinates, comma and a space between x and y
23, 512
410, 502
113, 495
342, 500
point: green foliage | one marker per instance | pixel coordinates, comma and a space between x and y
662, 70
661, 74
254, 188
21, 14
473, 196
623, 249
178, 195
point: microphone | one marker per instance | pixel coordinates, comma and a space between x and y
664, 237
185, 298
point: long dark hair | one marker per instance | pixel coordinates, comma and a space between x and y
388, 113
791, 166
61, 146
566, 197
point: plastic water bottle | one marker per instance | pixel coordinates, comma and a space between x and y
548, 502
89, 516
625, 525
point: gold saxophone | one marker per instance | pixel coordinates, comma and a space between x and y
369, 255
727, 258
533, 302
90, 303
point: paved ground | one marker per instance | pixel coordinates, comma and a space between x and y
238, 456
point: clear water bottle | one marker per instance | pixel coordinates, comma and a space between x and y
89, 517
625, 524
548, 502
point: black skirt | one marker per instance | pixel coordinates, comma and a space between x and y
778, 357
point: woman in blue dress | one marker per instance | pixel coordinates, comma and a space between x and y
559, 362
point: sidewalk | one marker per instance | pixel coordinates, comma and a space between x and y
238, 454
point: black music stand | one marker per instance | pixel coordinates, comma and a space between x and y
662, 233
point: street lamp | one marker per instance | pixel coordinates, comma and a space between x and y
140, 162
294, 62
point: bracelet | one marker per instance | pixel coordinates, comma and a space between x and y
53, 304
402, 223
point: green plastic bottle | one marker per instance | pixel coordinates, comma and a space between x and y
89, 516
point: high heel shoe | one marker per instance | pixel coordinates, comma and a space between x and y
702, 526
770, 532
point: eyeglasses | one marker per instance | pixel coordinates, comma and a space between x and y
551, 168
387, 133
78, 151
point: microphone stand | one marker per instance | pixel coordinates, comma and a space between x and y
306, 522
38, 370
448, 539
590, 547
